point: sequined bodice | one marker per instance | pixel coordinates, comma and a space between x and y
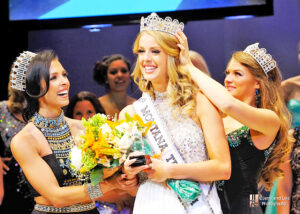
9, 127
184, 132
58, 135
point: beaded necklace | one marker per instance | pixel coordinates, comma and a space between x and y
58, 135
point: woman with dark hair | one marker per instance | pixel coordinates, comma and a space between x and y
84, 104
11, 122
43, 146
113, 72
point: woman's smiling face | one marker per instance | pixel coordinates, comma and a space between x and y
152, 60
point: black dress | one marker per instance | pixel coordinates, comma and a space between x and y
239, 194
58, 135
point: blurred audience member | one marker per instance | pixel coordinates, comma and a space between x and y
288, 190
199, 62
113, 72
17, 198
84, 104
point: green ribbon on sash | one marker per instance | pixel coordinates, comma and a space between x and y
186, 190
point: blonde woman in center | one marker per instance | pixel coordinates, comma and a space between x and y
192, 122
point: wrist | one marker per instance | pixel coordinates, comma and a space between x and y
169, 170
94, 191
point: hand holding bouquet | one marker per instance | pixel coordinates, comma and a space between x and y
104, 145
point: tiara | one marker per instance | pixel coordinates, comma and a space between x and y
18, 74
154, 22
266, 62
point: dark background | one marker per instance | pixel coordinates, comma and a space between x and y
216, 40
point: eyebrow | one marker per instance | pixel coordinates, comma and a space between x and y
152, 47
54, 73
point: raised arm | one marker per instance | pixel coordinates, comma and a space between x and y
254, 118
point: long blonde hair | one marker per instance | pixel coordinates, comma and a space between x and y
181, 89
271, 98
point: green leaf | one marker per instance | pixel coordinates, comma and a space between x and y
96, 176
115, 163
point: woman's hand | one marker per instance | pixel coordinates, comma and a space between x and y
158, 171
132, 171
184, 56
5, 161
123, 182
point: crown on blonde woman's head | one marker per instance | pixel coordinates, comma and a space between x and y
266, 62
18, 74
154, 22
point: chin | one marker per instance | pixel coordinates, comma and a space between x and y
150, 77
63, 104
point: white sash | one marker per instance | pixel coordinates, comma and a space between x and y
157, 136
160, 141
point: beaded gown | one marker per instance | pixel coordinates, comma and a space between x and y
153, 197
59, 137
17, 197
239, 194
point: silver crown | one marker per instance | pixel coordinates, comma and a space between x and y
266, 62
154, 22
18, 74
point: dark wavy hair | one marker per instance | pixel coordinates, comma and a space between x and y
101, 67
37, 72
81, 96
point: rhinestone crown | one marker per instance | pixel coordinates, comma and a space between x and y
266, 62
154, 22
18, 74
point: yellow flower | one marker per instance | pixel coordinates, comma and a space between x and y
147, 125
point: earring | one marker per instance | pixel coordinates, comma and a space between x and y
257, 98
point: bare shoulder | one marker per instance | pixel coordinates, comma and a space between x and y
129, 110
293, 81
28, 137
74, 123
76, 126
103, 99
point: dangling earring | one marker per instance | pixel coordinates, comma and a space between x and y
257, 98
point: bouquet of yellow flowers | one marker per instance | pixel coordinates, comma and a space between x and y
105, 144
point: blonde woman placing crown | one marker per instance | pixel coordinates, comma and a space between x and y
256, 122
188, 128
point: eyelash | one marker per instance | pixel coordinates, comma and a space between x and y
54, 77
153, 51
235, 73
